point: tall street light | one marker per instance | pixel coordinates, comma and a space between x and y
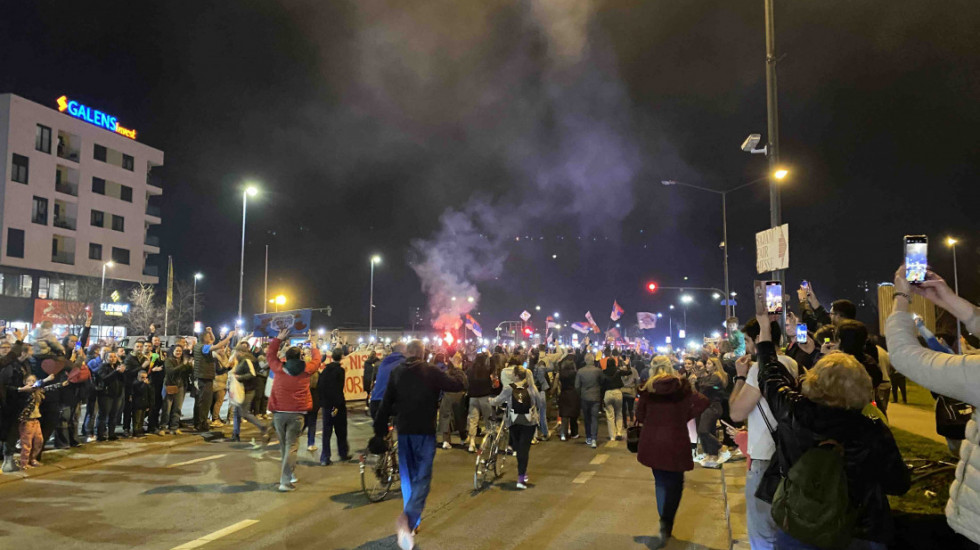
197, 277
729, 309
102, 297
250, 190
374, 260
951, 242
279, 300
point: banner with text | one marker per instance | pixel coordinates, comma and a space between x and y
268, 325
772, 249
354, 374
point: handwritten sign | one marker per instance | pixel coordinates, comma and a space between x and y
772, 249
354, 374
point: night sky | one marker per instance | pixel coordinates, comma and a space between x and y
437, 133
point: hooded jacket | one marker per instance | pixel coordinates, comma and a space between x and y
413, 395
872, 461
665, 443
389, 363
957, 376
291, 381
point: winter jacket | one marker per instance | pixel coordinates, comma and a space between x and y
612, 376
290, 392
109, 380
665, 443
569, 402
175, 371
957, 376
330, 388
588, 383
480, 384
413, 395
507, 396
872, 461
384, 371
141, 395
34, 399
244, 374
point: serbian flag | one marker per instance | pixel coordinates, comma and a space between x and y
581, 327
613, 334
588, 317
551, 322
617, 311
646, 319
474, 326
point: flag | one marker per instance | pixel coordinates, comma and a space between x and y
581, 327
170, 282
588, 316
551, 322
646, 319
617, 311
474, 326
613, 334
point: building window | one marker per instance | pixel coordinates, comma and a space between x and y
94, 251
120, 255
17, 286
18, 170
42, 139
42, 288
100, 152
98, 218
98, 185
126, 193
127, 162
39, 212
118, 223
15, 242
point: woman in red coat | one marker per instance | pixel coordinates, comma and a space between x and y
666, 404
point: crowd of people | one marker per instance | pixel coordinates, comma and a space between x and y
804, 410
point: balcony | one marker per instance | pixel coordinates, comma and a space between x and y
153, 211
150, 271
69, 146
63, 257
152, 240
65, 223
66, 181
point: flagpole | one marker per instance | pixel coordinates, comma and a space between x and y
170, 294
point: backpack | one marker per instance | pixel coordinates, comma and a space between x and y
521, 402
811, 503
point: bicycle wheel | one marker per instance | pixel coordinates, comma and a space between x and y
377, 477
485, 457
501, 456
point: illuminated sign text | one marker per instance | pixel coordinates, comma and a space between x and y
93, 116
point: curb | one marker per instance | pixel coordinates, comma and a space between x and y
69, 463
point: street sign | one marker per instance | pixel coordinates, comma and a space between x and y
772, 249
525, 316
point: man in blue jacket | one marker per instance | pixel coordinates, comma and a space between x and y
394, 359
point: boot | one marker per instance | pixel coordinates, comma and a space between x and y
8, 464
666, 527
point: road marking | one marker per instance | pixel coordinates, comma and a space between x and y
196, 543
611, 444
196, 460
599, 459
583, 477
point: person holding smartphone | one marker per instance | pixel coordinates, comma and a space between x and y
205, 370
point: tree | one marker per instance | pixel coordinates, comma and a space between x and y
181, 320
86, 303
144, 310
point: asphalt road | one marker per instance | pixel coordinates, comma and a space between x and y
220, 495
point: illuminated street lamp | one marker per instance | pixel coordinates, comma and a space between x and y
374, 260
951, 242
197, 277
102, 296
250, 191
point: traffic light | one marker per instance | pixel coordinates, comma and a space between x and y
528, 331
652, 286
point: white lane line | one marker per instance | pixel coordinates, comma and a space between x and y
583, 477
611, 444
196, 460
197, 543
599, 459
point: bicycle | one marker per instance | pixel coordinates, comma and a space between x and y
490, 457
379, 472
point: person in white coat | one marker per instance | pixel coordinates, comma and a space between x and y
957, 376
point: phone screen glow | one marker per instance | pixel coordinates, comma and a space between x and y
916, 250
774, 298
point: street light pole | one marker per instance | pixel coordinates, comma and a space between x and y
241, 273
724, 236
374, 260
194, 306
102, 298
956, 287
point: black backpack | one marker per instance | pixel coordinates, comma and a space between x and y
521, 402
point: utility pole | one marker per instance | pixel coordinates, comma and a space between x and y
772, 151
265, 300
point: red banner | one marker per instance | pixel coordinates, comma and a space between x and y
59, 312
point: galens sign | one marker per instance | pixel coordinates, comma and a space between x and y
93, 116
772, 249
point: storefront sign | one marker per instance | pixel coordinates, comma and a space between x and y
59, 312
115, 310
93, 116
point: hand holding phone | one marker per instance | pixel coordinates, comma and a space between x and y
916, 258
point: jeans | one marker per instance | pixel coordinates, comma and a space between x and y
171, 408
91, 408
245, 411
898, 384
202, 404
614, 413
479, 406
762, 529
109, 407
628, 402
415, 455
309, 422
334, 424
217, 399
542, 403
707, 426
785, 541
670, 487
127, 402
522, 438
156, 404
590, 417
451, 410
288, 425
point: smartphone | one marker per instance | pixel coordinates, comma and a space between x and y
916, 249
774, 297
759, 289
801, 332
805, 285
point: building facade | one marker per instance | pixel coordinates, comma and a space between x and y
77, 194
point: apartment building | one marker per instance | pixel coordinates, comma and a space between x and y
77, 194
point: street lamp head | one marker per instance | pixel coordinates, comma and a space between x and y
671, 306
470, 299
668, 182
375, 259
251, 190
280, 300
950, 241
537, 308
686, 299
780, 174
557, 316
198, 276
110, 263
716, 295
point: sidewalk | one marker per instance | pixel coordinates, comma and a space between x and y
914, 420
733, 475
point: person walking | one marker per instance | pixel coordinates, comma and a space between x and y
451, 408
290, 399
588, 384
612, 399
480, 381
711, 382
394, 359
246, 372
413, 391
521, 397
666, 404
569, 402
330, 391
